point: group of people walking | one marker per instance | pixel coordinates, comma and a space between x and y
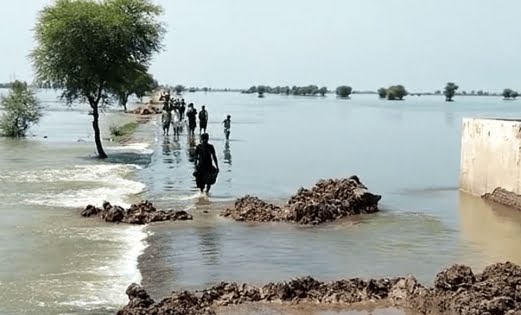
173, 113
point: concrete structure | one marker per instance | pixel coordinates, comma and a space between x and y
490, 156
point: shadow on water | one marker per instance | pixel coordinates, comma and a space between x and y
141, 159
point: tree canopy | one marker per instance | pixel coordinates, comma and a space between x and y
138, 83
396, 92
382, 92
509, 93
22, 110
89, 48
344, 91
450, 91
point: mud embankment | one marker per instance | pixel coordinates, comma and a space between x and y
141, 213
327, 201
457, 290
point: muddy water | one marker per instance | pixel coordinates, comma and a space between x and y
265, 309
406, 151
53, 262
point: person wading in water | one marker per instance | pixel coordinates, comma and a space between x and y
203, 120
182, 108
227, 126
205, 173
166, 118
191, 114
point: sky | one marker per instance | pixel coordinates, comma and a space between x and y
367, 44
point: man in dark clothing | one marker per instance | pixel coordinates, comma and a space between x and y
205, 173
203, 120
191, 114
182, 109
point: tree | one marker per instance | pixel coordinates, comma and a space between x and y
507, 93
261, 89
396, 92
450, 91
87, 48
178, 89
382, 92
138, 83
514, 94
323, 90
22, 110
344, 91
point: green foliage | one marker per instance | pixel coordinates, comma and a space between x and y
450, 91
22, 110
344, 91
396, 92
382, 92
123, 132
323, 90
138, 83
178, 89
509, 93
89, 48
261, 89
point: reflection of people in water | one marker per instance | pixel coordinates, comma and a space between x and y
191, 148
205, 173
167, 150
227, 126
209, 240
227, 153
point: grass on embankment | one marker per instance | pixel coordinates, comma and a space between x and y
124, 132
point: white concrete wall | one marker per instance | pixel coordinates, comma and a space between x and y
490, 156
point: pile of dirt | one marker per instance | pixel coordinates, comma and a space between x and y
327, 201
496, 291
147, 109
141, 213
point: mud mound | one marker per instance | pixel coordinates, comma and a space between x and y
504, 197
141, 213
146, 110
250, 208
457, 290
327, 201
496, 291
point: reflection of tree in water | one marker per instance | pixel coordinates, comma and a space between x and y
227, 153
449, 118
209, 245
191, 148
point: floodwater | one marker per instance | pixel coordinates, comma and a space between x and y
52, 261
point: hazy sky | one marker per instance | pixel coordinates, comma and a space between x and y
421, 44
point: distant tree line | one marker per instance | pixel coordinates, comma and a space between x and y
308, 90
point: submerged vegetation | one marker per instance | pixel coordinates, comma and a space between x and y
22, 110
344, 91
124, 132
510, 94
450, 91
90, 49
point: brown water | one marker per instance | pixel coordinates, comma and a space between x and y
54, 262
270, 309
